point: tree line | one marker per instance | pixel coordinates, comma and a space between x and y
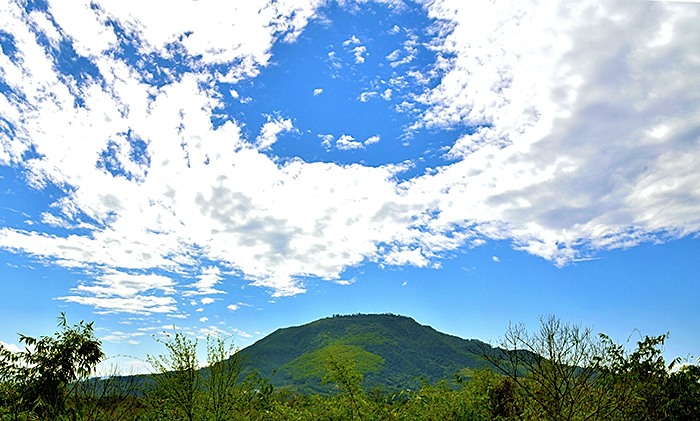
559, 372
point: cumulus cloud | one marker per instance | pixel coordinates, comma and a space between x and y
271, 129
346, 142
372, 140
570, 148
318, 91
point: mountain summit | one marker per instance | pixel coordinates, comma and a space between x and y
394, 352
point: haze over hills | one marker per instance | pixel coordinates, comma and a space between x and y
394, 352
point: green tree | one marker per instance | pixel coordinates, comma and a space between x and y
343, 371
652, 389
683, 388
558, 372
42, 377
222, 382
176, 376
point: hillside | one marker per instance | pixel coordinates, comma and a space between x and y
394, 352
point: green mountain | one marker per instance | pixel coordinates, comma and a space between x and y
394, 352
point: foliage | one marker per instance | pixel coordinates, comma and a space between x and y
557, 371
564, 372
41, 378
176, 377
182, 390
560, 372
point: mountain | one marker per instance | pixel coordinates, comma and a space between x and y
394, 352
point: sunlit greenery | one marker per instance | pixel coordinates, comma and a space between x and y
560, 372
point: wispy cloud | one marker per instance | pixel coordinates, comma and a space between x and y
123, 337
208, 279
115, 291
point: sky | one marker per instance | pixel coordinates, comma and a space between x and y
231, 168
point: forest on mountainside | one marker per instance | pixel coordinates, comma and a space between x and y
559, 372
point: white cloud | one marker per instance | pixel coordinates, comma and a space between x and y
353, 40
138, 304
567, 157
242, 333
10, 347
46, 27
208, 279
359, 53
206, 300
203, 319
334, 61
367, 95
346, 142
251, 26
233, 307
212, 331
318, 91
407, 54
359, 50
345, 282
326, 140
123, 337
115, 291
271, 130
386, 95
547, 86
372, 140
496, 259
115, 283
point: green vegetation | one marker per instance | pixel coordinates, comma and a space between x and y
394, 353
560, 372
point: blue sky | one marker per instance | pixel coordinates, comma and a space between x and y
238, 167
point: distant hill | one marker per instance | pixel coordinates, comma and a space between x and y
394, 352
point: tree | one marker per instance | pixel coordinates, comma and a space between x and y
222, 383
177, 380
43, 376
653, 390
558, 371
343, 371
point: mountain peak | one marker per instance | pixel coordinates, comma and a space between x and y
393, 352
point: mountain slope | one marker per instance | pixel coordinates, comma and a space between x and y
394, 352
